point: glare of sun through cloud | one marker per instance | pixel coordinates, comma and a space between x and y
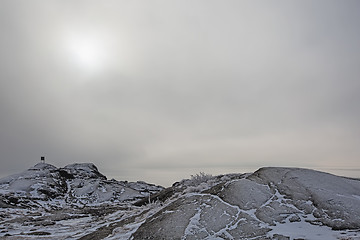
86, 52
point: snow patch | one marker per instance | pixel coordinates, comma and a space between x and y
356, 196
304, 230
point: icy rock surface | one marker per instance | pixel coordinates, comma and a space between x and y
79, 184
87, 170
335, 199
271, 203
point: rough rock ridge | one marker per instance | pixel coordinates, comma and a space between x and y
78, 202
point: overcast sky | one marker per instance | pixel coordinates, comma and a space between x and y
159, 90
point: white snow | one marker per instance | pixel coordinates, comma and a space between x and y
194, 225
124, 233
356, 196
305, 230
297, 203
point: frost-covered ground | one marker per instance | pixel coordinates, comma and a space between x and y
65, 203
271, 203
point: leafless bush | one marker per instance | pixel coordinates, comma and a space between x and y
199, 178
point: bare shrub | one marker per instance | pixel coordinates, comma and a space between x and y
199, 178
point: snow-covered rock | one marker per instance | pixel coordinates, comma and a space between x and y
79, 184
334, 199
271, 203
262, 205
83, 170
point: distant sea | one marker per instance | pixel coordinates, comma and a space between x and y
167, 176
346, 172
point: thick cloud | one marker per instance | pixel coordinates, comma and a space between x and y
181, 86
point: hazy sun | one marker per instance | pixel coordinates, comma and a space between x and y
87, 52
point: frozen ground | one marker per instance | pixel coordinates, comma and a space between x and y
271, 203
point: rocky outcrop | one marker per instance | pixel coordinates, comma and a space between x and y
260, 206
79, 184
86, 170
271, 203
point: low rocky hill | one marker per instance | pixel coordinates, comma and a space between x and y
272, 203
77, 202
79, 184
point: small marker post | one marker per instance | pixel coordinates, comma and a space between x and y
42, 159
